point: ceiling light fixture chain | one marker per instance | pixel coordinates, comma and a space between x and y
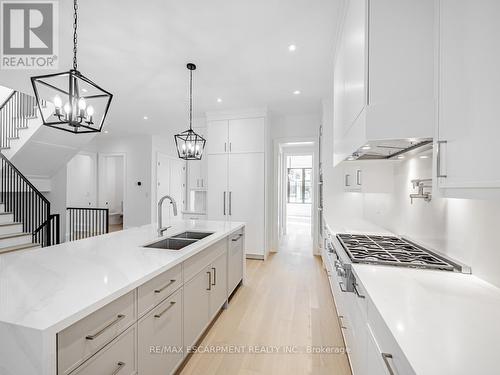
75, 35
190, 99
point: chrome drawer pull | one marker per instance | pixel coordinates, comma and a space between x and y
107, 326
209, 280
237, 237
172, 303
120, 365
386, 357
341, 285
215, 276
357, 291
165, 286
341, 323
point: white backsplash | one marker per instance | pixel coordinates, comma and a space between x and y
464, 229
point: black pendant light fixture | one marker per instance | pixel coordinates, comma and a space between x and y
190, 145
80, 106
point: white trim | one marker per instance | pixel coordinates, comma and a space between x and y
236, 114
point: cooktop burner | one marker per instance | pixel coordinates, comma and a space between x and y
392, 251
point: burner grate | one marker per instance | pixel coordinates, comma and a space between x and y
391, 250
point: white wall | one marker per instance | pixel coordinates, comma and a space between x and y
4, 94
465, 229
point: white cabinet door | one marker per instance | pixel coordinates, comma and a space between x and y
217, 137
217, 194
235, 261
162, 327
195, 180
247, 135
354, 47
196, 306
246, 198
218, 294
469, 88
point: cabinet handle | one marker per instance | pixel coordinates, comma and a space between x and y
165, 286
386, 357
341, 323
230, 146
438, 159
225, 147
172, 303
237, 237
209, 280
347, 184
215, 276
357, 291
107, 326
358, 177
119, 366
224, 203
342, 288
230, 203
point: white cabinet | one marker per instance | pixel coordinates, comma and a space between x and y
384, 73
469, 83
237, 177
197, 169
236, 135
218, 286
160, 337
235, 262
196, 306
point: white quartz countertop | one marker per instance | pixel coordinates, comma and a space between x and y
51, 288
444, 322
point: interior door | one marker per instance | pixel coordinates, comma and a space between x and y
469, 86
217, 208
247, 135
217, 137
163, 183
82, 180
177, 184
246, 198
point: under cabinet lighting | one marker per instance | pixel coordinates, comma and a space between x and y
424, 156
400, 157
367, 147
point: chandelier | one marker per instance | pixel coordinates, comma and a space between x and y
79, 105
190, 145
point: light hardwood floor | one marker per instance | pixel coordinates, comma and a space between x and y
286, 302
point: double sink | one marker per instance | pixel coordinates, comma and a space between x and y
179, 241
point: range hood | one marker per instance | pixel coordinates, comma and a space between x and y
392, 149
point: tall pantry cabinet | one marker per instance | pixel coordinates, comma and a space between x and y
236, 153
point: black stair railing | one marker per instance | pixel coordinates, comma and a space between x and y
84, 222
15, 113
28, 205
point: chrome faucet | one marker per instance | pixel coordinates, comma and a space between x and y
420, 184
162, 229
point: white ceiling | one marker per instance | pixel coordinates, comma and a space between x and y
138, 50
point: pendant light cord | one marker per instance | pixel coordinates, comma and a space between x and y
190, 99
75, 35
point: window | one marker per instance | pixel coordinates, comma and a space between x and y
299, 185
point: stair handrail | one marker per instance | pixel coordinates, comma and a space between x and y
8, 98
56, 230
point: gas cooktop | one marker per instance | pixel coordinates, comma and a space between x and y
395, 251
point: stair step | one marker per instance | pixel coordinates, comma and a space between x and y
11, 228
27, 246
7, 240
6, 218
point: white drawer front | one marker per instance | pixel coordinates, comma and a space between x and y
156, 290
78, 342
235, 269
160, 337
117, 358
199, 261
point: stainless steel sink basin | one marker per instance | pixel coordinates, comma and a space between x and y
193, 235
172, 243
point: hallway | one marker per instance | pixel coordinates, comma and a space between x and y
286, 303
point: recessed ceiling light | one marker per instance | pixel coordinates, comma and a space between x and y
84, 90
296, 92
106, 132
145, 117
367, 147
219, 100
292, 47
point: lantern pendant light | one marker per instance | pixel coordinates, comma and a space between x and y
190, 145
76, 104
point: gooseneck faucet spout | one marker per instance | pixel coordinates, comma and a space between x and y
161, 228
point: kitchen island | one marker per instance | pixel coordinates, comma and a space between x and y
65, 309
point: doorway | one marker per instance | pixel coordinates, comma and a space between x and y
295, 196
112, 188
170, 180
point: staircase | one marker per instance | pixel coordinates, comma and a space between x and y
25, 218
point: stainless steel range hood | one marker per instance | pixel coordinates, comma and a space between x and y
392, 149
